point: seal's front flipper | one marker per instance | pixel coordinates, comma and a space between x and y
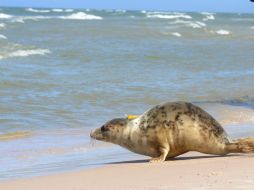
162, 157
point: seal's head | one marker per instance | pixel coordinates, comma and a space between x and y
110, 131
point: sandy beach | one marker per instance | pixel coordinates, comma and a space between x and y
189, 171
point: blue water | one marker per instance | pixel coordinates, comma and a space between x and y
65, 72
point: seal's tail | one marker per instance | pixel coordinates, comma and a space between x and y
245, 145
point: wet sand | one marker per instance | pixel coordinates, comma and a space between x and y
190, 171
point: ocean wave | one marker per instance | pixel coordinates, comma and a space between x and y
120, 11
35, 18
81, 16
176, 34
38, 10
57, 10
231, 115
68, 10
167, 16
3, 37
207, 13
223, 32
231, 111
75, 16
208, 17
5, 16
2, 25
194, 24
245, 101
25, 53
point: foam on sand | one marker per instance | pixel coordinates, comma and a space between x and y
3, 37
25, 53
81, 16
223, 32
5, 16
38, 10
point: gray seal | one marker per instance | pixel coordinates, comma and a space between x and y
171, 129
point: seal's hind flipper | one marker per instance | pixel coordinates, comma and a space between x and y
244, 145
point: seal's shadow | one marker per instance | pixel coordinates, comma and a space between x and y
181, 158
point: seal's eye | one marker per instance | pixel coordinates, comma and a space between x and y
103, 128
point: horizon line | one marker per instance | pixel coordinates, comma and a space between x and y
99, 9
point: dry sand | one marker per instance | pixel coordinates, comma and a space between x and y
191, 171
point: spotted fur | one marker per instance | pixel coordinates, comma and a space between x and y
170, 129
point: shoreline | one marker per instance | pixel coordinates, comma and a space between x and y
190, 171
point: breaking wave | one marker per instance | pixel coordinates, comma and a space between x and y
2, 25
48, 10
57, 10
24, 53
167, 15
223, 32
81, 16
38, 10
3, 37
5, 16
194, 24
208, 16
74, 16
176, 34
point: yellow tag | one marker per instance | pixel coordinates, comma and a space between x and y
132, 116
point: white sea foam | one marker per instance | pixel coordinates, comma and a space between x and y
167, 16
176, 34
120, 10
57, 10
143, 11
201, 23
38, 10
193, 24
25, 53
3, 37
35, 18
252, 27
223, 32
5, 16
2, 25
207, 13
68, 10
81, 16
208, 16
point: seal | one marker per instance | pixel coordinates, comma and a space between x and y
171, 129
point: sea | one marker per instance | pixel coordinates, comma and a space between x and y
64, 72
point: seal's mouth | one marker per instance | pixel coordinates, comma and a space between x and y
96, 134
